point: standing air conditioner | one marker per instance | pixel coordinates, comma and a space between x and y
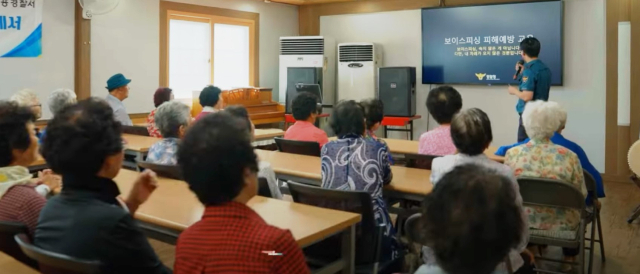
307, 60
358, 70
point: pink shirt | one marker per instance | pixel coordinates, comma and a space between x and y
305, 131
437, 142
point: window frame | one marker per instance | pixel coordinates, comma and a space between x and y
211, 15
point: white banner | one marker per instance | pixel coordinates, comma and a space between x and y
20, 28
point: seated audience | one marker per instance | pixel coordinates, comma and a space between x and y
172, 119
21, 197
443, 103
355, 163
304, 108
28, 98
264, 168
162, 95
471, 134
88, 220
118, 87
231, 237
540, 121
210, 100
471, 221
58, 99
560, 140
373, 115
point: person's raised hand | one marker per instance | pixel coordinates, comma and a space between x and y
145, 184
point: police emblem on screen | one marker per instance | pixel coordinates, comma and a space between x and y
480, 76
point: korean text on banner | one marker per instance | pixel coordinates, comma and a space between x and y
20, 28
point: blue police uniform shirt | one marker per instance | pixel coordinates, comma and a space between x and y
536, 77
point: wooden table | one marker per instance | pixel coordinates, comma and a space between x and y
173, 207
408, 183
408, 147
38, 165
259, 134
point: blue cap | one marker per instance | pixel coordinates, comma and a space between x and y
117, 81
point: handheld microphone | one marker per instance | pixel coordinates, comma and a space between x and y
520, 63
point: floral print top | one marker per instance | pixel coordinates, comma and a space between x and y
151, 125
543, 159
164, 152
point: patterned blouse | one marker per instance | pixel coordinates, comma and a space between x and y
356, 163
543, 159
437, 142
164, 152
151, 125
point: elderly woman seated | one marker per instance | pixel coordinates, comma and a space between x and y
353, 162
21, 197
264, 168
540, 158
471, 134
161, 96
471, 221
28, 98
59, 99
172, 119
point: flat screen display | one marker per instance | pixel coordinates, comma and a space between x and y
480, 44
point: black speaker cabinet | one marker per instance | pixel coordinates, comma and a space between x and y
397, 90
300, 76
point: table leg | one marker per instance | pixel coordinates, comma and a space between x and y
411, 129
349, 249
385, 131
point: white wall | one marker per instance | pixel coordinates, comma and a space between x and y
52, 70
127, 41
583, 93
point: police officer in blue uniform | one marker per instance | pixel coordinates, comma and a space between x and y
535, 80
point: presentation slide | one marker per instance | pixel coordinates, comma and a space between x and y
480, 44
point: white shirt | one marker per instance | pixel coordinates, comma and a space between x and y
119, 111
442, 165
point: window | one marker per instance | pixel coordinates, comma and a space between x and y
201, 49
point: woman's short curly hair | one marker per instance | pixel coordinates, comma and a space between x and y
170, 116
13, 128
541, 119
347, 118
471, 131
81, 136
214, 155
471, 220
373, 111
210, 96
162, 95
61, 98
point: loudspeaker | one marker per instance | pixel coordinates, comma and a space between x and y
397, 91
297, 77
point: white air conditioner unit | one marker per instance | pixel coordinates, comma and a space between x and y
309, 52
358, 65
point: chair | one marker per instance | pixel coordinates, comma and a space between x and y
263, 188
368, 232
54, 263
535, 191
419, 161
298, 147
590, 183
135, 130
167, 171
9, 246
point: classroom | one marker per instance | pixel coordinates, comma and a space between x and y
319, 136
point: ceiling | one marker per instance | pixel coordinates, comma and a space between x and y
310, 2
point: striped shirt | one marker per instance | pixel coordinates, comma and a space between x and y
22, 204
232, 238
